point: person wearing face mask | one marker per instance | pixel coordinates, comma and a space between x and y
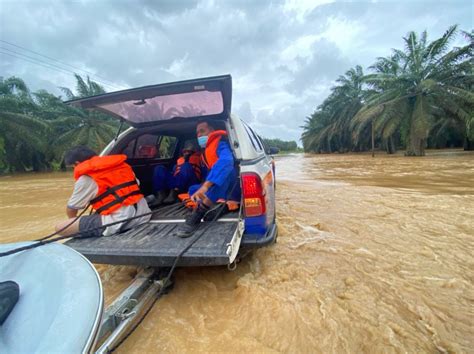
220, 181
187, 172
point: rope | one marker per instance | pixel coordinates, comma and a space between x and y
45, 240
81, 234
175, 263
167, 279
65, 227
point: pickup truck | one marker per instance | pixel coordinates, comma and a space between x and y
161, 119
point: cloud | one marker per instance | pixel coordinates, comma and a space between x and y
283, 55
325, 63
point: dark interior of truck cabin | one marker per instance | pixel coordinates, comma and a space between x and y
149, 147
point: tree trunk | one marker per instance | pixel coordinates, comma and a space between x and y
373, 139
419, 127
416, 144
468, 144
416, 147
391, 148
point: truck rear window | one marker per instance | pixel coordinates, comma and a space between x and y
184, 105
151, 146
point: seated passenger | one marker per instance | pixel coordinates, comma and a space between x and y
110, 186
187, 171
220, 183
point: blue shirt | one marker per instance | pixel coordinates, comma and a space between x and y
224, 166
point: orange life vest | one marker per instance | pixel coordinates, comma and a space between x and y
115, 180
209, 158
194, 160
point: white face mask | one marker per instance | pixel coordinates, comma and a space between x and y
202, 141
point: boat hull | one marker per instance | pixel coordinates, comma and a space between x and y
60, 303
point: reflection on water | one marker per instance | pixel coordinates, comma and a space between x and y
373, 255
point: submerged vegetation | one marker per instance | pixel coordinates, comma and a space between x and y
415, 98
37, 128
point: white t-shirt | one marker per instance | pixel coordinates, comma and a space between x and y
85, 189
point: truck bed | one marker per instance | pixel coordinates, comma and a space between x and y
154, 243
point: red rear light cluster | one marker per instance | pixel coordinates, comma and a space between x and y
252, 191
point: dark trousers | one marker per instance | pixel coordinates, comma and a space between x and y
163, 179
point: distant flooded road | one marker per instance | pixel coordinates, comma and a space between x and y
373, 255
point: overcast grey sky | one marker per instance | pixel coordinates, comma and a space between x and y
283, 55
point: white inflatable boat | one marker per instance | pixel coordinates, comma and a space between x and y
60, 300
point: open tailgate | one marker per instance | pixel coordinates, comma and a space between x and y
207, 97
154, 244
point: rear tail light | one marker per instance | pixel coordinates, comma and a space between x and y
252, 191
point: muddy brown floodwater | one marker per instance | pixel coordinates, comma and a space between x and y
373, 255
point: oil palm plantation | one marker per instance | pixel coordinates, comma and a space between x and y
419, 88
37, 128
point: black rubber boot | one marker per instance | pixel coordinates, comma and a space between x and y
160, 197
171, 198
216, 212
192, 222
150, 199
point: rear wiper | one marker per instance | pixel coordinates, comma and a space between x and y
139, 103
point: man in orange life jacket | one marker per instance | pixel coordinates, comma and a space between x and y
110, 186
187, 172
220, 182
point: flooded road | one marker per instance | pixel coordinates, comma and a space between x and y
373, 255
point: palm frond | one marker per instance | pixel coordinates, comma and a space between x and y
67, 92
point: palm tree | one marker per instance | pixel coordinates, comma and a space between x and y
15, 96
315, 133
22, 135
13, 86
75, 126
328, 127
415, 88
385, 123
84, 88
469, 119
23, 143
81, 127
37, 128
